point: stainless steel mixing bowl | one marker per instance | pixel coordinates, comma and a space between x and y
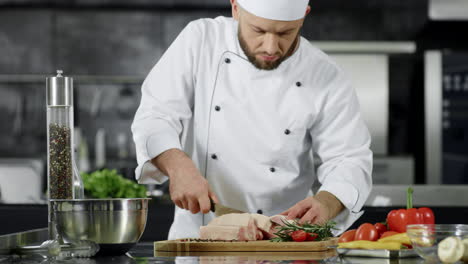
115, 224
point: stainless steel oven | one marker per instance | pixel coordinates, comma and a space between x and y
368, 65
446, 110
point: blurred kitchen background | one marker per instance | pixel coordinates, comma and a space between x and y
408, 61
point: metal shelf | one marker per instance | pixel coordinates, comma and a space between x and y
366, 47
448, 10
386, 195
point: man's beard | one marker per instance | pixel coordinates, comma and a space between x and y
265, 65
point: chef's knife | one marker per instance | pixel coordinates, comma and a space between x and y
220, 209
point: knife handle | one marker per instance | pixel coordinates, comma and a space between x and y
212, 205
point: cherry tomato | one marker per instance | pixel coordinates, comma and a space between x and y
347, 236
299, 235
389, 233
367, 232
304, 262
408, 246
381, 228
311, 236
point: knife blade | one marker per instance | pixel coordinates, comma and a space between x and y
220, 209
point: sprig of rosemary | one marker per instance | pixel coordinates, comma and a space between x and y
284, 232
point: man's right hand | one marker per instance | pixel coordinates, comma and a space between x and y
188, 188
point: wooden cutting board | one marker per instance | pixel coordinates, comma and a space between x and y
184, 245
240, 256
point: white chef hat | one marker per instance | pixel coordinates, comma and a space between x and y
284, 10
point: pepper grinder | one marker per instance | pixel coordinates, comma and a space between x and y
63, 181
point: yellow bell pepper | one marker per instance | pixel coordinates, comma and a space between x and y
365, 244
401, 238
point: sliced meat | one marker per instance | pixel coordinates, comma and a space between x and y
231, 220
239, 233
277, 222
249, 227
259, 235
240, 220
263, 222
280, 220
271, 234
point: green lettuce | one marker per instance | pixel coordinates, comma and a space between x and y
109, 184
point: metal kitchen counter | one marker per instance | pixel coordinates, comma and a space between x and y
143, 253
389, 195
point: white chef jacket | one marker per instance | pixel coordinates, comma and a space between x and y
261, 138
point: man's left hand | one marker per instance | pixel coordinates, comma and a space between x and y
316, 209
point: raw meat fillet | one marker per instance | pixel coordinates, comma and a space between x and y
239, 220
240, 233
259, 235
242, 227
263, 222
231, 220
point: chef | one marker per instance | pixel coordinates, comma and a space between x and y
246, 112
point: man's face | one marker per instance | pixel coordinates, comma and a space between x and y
266, 42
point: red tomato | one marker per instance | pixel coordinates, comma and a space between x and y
367, 232
381, 228
347, 236
389, 233
311, 236
299, 235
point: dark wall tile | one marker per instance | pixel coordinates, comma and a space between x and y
23, 115
332, 25
124, 2
337, 5
403, 24
10, 107
108, 43
24, 2
216, 3
165, 3
112, 108
366, 20
25, 41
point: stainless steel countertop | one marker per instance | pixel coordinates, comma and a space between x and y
427, 195
143, 253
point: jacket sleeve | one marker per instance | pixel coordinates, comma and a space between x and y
341, 142
166, 103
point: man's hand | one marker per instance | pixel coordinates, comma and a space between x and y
316, 209
188, 188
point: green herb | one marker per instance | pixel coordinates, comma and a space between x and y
284, 232
109, 184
